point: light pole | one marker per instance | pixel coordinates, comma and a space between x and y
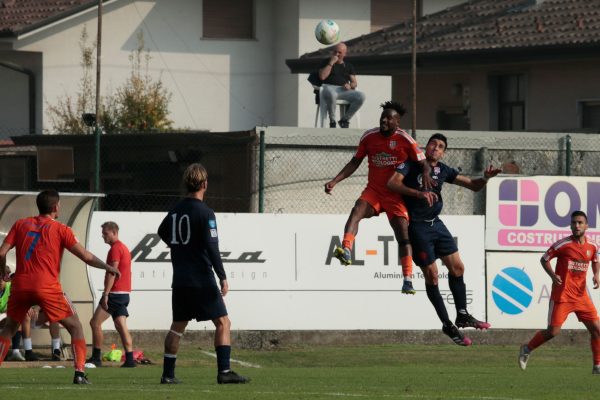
97, 129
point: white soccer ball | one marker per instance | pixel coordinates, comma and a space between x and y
327, 31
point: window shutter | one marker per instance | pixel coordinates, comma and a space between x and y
228, 19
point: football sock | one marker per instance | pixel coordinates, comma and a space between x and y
435, 297
79, 348
223, 355
596, 350
537, 340
96, 353
169, 365
129, 357
27, 345
56, 344
459, 292
348, 241
16, 341
407, 267
4, 346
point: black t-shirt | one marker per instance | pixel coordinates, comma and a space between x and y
340, 73
190, 230
418, 209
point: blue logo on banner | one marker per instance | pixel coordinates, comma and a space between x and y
512, 290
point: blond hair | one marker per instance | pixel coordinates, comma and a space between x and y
194, 177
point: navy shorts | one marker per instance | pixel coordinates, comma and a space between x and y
117, 304
199, 303
430, 241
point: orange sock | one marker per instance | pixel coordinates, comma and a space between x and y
407, 266
536, 341
5, 344
79, 349
596, 350
348, 241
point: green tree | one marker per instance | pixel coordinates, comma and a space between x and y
141, 104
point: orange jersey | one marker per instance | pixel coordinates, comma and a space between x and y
385, 153
120, 253
39, 243
572, 262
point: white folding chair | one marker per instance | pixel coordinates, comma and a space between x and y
322, 111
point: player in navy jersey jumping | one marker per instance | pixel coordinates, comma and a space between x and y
190, 230
429, 237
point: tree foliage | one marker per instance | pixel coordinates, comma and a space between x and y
140, 104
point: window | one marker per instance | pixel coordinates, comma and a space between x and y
386, 13
511, 102
589, 111
228, 19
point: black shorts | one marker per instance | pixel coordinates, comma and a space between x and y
117, 304
199, 303
430, 241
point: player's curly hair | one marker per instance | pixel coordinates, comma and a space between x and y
394, 105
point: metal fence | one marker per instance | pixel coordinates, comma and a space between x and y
296, 166
271, 170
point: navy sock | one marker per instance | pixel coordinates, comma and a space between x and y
129, 357
223, 355
169, 366
16, 341
96, 353
459, 292
433, 293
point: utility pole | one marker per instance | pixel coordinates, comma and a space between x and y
97, 127
414, 70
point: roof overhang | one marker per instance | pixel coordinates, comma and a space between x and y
391, 64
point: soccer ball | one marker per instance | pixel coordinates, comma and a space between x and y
327, 31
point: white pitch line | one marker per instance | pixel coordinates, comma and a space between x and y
242, 363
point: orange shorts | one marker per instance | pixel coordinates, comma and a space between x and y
391, 203
55, 304
584, 309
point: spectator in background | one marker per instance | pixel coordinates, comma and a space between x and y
339, 82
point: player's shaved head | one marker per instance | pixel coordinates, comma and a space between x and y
46, 201
194, 177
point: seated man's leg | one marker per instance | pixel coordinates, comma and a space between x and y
329, 96
356, 100
8, 331
55, 341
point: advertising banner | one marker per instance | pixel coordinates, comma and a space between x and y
282, 274
519, 292
531, 213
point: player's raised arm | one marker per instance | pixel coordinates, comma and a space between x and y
84, 255
348, 170
478, 183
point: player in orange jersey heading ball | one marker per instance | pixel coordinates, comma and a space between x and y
39, 243
569, 295
385, 147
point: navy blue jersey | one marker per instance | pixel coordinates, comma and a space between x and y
190, 230
418, 209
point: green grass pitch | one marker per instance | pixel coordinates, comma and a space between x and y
318, 372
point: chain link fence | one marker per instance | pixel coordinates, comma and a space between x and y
285, 172
298, 163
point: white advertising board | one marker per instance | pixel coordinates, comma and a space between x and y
282, 275
519, 292
531, 213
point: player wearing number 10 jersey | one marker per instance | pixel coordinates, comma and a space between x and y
190, 230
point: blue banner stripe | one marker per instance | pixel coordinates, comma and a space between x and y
505, 306
519, 276
512, 291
